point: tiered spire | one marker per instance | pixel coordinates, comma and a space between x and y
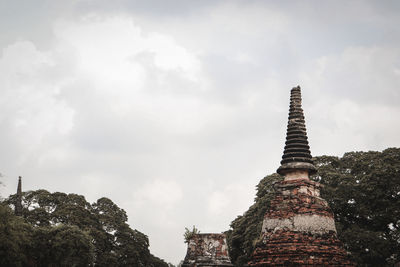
18, 199
296, 155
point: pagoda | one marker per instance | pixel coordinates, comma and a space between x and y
299, 227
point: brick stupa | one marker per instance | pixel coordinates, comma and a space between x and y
207, 250
299, 228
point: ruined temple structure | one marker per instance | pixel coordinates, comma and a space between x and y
299, 228
206, 250
18, 199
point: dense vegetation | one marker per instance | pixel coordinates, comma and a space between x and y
363, 190
58, 229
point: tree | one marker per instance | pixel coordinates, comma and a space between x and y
363, 190
69, 231
15, 239
62, 245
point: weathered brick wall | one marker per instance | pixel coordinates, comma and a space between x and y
289, 248
207, 250
299, 229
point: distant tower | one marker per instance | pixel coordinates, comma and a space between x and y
18, 199
207, 250
299, 228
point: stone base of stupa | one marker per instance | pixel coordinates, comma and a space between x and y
207, 250
299, 229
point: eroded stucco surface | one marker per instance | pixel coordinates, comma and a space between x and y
312, 224
207, 250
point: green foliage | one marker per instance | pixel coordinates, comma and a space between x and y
62, 245
363, 190
190, 233
66, 230
15, 238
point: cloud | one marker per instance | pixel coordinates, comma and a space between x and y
176, 112
32, 112
105, 44
354, 92
367, 74
224, 203
160, 193
158, 199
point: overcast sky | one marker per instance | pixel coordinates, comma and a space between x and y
176, 109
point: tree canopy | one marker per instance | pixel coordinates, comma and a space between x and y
58, 229
363, 190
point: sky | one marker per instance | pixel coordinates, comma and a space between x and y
175, 110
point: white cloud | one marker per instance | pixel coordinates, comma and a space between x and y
107, 48
163, 194
175, 113
224, 205
153, 207
365, 74
218, 202
32, 112
353, 95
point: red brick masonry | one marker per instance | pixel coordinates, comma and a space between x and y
296, 197
291, 245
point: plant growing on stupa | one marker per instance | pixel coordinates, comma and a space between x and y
190, 233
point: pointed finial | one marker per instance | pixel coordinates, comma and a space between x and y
296, 154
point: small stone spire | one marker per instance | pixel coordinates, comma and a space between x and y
296, 155
18, 199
